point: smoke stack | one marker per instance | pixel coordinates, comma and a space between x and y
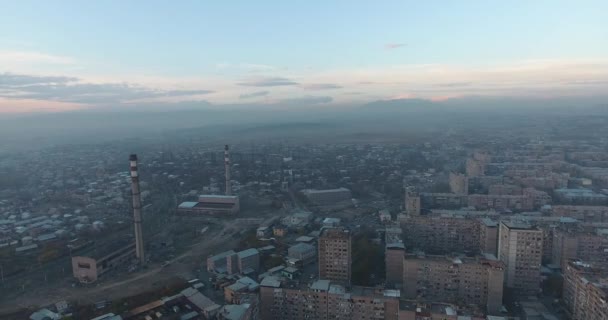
227, 167
136, 195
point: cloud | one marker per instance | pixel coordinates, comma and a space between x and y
321, 86
28, 57
391, 46
308, 100
70, 89
9, 79
268, 82
454, 84
254, 94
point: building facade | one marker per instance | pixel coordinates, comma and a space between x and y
467, 280
335, 255
520, 247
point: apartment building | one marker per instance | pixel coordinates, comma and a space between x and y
520, 247
394, 254
335, 255
454, 279
488, 236
440, 234
459, 183
585, 292
582, 213
586, 245
412, 203
324, 299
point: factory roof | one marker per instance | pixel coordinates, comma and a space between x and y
271, 281
217, 196
489, 222
222, 255
247, 253
199, 300
233, 311
322, 285
312, 191
301, 247
187, 204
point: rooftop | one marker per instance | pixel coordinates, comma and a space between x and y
322, 285
248, 253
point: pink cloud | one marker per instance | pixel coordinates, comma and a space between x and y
27, 105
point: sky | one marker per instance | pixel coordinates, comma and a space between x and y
70, 55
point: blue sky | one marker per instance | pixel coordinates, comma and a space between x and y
348, 51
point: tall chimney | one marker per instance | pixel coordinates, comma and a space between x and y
227, 168
136, 195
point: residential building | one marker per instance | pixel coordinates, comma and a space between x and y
324, 300
335, 255
488, 236
459, 183
520, 247
453, 279
585, 292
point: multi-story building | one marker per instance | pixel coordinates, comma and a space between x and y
325, 300
217, 263
467, 280
490, 201
586, 245
247, 261
327, 197
459, 183
520, 247
443, 200
585, 292
488, 236
504, 189
412, 203
394, 254
335, 255
475, 168
440, 234
582, 213
580, 196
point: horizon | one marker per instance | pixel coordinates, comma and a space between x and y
136, 56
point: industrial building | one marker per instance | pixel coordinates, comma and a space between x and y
328, 196
210, 204
335, 255
213, 204
454, 279
88, 269
304, 252
520, 247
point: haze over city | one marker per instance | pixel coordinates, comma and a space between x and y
280, 160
